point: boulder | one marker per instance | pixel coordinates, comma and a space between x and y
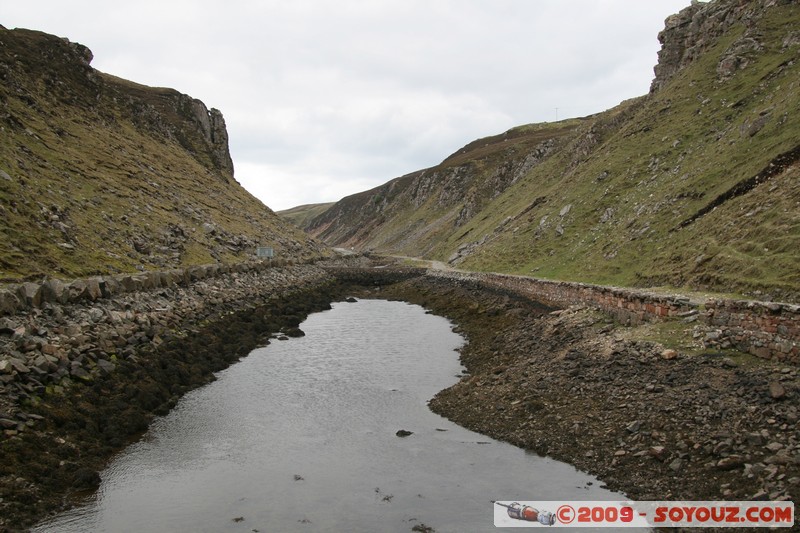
55, 291
669, 354
15, 364
130, 283
77, 290
149, 280
776, 390
30, 294
109, 286
106, 366
9, 302
86, 289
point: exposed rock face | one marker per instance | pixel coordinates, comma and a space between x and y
689, 33
218, 136
212, 125
192, 124
83, 51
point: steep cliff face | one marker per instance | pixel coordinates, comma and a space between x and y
694, 185
179, 118
99, 174
688, 34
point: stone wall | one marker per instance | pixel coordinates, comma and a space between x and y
31, 295
375, 276
765, 329
54, 330
628, 306
58, 333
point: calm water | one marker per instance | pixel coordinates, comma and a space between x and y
300, 436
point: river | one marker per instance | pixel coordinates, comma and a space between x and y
301, 435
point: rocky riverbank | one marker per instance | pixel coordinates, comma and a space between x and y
79, 380
649, 421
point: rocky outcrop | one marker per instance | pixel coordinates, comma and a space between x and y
686, 35
218, 137
211, 125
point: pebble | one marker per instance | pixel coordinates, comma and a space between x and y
669, 354
676, 464
776, 390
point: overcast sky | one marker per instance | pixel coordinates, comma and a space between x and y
323, 99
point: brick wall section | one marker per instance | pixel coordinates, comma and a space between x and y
626, 305
765, 329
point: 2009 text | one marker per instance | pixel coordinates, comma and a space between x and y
624, 514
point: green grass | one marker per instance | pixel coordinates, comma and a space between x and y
301, 215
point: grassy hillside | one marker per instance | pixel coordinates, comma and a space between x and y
653, 203
99, 174
412, 214
694, 185
301, 215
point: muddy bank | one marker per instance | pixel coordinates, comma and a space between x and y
116, 364
653, 423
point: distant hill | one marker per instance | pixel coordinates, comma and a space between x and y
694, 185
101, 175
301, 215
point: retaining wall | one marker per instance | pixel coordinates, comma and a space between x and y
765, 329
31, 295
79, 331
